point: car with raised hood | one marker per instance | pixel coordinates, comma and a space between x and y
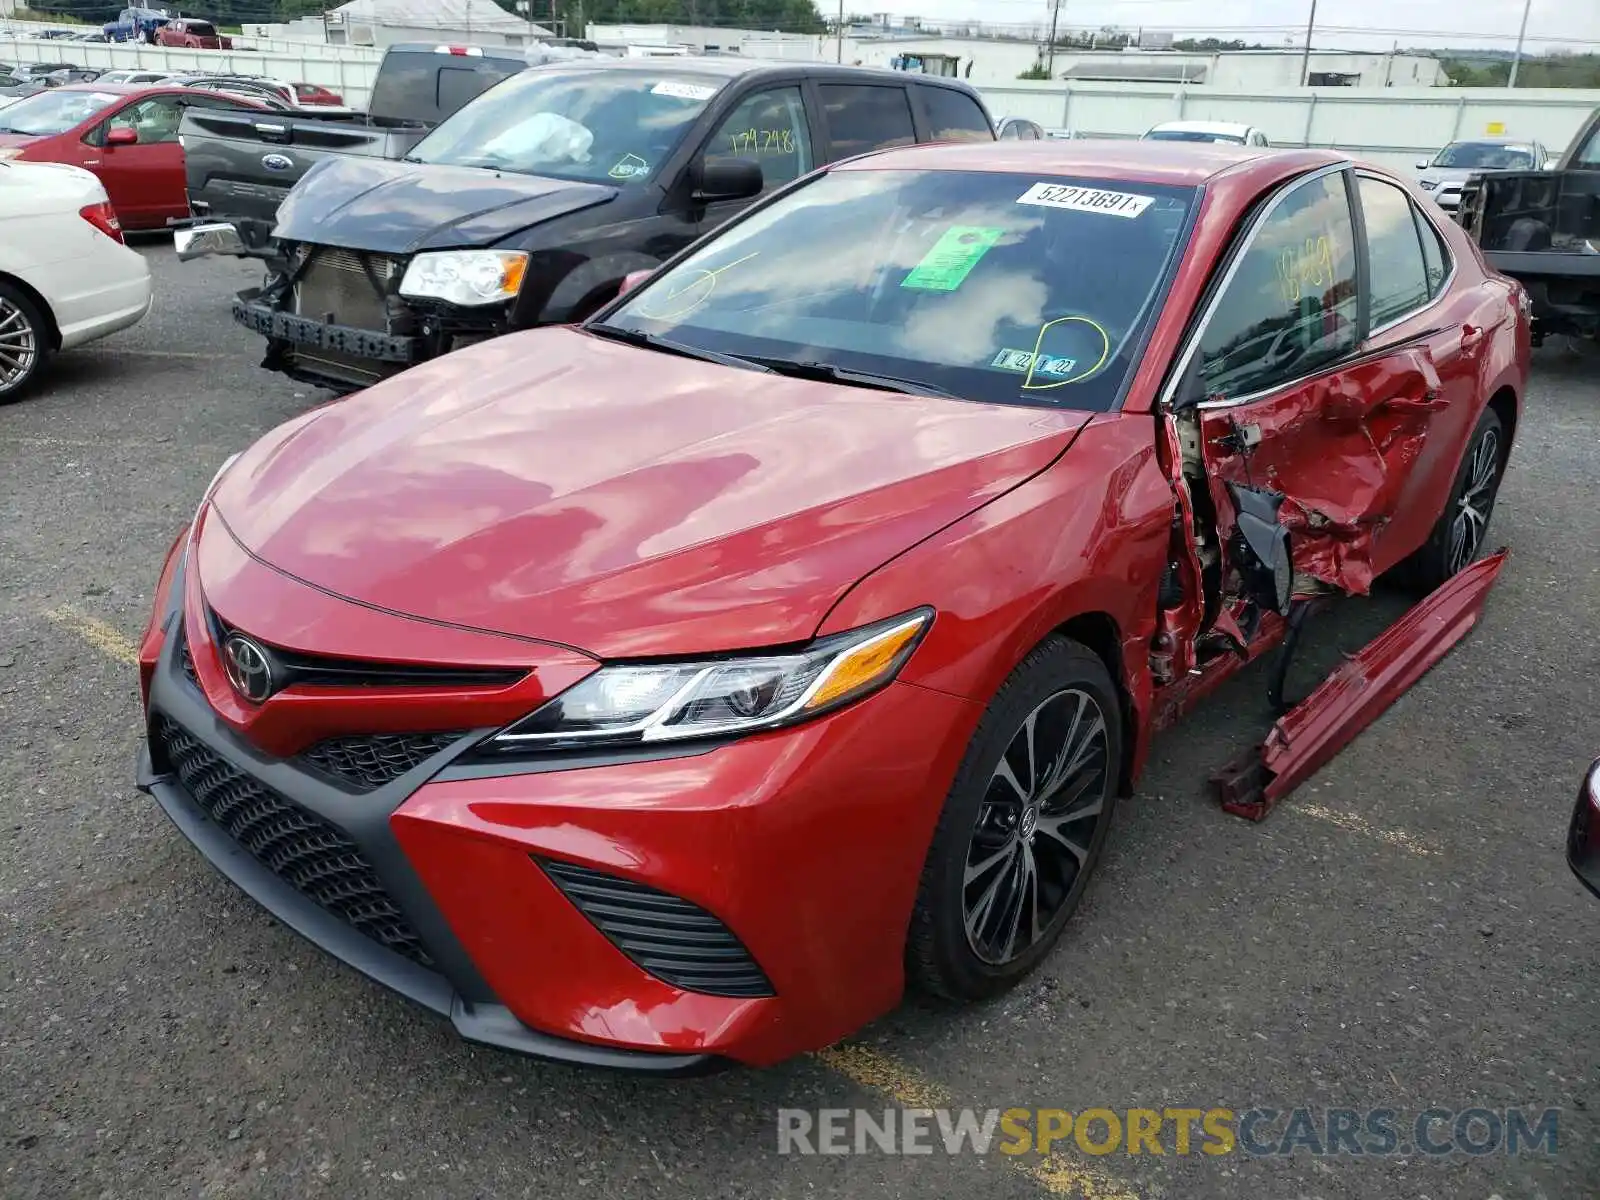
1443, 175
125, 134
676, 686
66, 278
531, 204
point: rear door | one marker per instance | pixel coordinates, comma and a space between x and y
1301, 396
859, 117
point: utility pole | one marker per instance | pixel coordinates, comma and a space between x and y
1305, 56
1516, 59
838, 33
1055, 16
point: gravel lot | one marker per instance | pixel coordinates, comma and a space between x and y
1402, 934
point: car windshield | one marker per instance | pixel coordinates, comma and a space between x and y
597, 125
1485, 156
53, 112
1193, 135
1004, 288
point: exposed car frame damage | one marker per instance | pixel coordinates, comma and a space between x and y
1250, 562
1306, 737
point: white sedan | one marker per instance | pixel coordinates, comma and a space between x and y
1207, 131
66, 277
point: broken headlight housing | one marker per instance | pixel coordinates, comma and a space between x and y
648, 703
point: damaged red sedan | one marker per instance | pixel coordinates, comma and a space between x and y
674, 689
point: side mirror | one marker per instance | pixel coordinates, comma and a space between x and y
122, 135
726, 179
1423, 164
632, 280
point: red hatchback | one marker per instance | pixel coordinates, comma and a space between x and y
124, 133
675, 687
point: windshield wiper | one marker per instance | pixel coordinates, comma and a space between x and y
828, 373
637, 337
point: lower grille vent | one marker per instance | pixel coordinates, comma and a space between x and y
675, 941
365, 764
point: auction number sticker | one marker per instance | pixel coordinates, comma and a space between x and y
683, 91
1085, 199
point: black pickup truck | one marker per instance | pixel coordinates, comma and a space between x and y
243, 164
1543, 228
534, 203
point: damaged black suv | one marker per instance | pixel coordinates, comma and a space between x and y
532, 204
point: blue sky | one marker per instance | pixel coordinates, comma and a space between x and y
1451, 22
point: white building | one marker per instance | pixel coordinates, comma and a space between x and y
1000, 60
385, 22
703, 39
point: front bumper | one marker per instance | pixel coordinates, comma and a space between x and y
251, 312
1583, 834
807, 844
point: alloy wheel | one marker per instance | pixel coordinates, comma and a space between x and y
1035, 825
1476, 503
19, 345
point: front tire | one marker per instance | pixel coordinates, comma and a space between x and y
24, 343
1022, 827
1463, 526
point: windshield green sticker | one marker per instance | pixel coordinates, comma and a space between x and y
1024, 361
628, 166
952, 258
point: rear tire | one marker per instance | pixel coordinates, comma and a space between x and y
24, 342
1022, 827
1462, 529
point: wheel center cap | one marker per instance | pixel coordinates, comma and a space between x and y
1030, 821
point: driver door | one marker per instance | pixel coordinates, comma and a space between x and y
770, 128
1292, 399
144, 181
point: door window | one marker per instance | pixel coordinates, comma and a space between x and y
955, 116
155, 120
866, 117
1435, 257
1290, 307
768, 128
1399, 272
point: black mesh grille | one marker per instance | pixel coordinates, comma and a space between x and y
663, 934
367, 763
296, 845
185, 659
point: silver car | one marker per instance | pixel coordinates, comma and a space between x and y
1442, 175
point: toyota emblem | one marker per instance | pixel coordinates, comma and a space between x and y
248, 667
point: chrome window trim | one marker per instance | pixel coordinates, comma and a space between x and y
1192, 345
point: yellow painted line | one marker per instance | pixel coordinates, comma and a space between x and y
878, 1072
96, 632
1409, 842
882, 1073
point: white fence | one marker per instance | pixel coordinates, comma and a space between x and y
1392, 127
348, 70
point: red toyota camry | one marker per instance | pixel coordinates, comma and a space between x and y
674, 688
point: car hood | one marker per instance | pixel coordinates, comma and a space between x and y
557, 486
400, 208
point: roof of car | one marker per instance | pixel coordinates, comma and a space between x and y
1229, 127
1183, 164
1493, 141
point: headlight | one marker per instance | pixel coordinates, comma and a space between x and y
663, 702
466, 277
